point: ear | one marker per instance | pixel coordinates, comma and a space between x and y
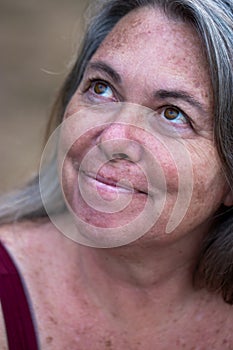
228, 199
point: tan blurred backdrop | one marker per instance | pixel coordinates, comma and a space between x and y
37, 40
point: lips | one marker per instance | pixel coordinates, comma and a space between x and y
114, 181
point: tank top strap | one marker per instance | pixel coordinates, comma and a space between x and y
20, 330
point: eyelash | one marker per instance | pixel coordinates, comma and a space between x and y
188, 120
92, 81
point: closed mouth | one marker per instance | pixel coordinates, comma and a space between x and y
112, 183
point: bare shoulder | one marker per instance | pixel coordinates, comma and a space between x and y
17, 238
18, 233
26, 239
31, 245
3, 338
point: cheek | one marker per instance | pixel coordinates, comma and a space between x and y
207, 172
195, 186
208, 182
173, 162
74, 105
78, 135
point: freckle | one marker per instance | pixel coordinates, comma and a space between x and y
225, 341
108, 343
49, 340
52, 320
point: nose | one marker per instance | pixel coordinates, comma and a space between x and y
118, 141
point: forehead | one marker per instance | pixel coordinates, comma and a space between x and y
148, 43
152, 25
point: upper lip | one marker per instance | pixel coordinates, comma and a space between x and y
114, 181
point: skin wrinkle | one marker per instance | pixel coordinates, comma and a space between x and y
176, 73
138, 296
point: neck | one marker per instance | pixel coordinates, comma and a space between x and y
156, 277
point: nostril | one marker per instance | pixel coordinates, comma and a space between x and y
119, 156
119, 147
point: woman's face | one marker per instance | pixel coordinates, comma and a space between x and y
158, 158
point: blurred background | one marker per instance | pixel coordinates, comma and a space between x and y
37, 42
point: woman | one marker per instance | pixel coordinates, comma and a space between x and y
157, 76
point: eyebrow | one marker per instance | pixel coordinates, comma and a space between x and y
160, 94
105, 68
181, 95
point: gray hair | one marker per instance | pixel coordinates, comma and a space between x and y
213, 21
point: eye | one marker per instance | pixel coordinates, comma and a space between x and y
175, 115
102, 89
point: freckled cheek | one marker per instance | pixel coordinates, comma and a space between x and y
75, 145
171, 175
163, 172
80, 147
208, 185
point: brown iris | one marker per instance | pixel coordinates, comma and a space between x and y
171, 113
100, 88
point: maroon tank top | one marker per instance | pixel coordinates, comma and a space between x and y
20, 331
